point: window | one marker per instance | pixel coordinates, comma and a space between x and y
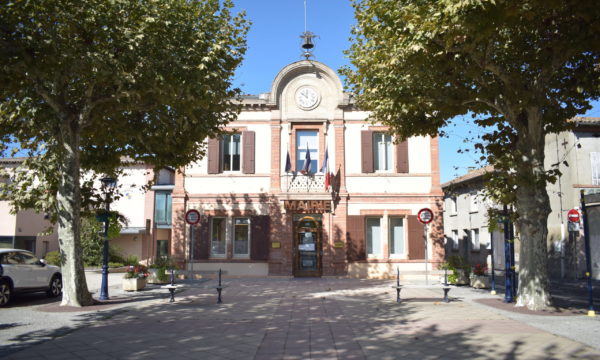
217, 239
241, 233
162, 208
396, 236
307, 139
455, 239
162, 248
595, 159
473, 203
382, 152
165, 177
452, 205
474, 239
231, 150
374, 236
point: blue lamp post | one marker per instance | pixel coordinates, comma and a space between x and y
108, 184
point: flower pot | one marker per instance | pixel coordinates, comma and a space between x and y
154, 278
480, 281
134, 284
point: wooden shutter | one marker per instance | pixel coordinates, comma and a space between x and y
416, 241
402, 157
355, 238
248, 152
214, 154
366, 145
202, 239
259, 230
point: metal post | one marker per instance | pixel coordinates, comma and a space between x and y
513, 268
588, 258
192, 250
219, 289
426, 256
445, 277
493, 292
104, 284
508, 291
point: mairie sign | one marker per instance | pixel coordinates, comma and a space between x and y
307, 206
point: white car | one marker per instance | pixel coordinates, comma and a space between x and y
21, 271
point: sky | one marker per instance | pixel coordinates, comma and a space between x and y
274, 42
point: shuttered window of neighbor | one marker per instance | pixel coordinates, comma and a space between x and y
595, 160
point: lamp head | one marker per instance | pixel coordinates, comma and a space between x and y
108, 182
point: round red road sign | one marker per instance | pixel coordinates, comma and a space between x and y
573, 215
192, 217
425, 216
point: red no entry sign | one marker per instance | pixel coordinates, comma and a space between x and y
573, 215
192, 217
425, 216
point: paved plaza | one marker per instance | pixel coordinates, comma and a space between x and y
283, 318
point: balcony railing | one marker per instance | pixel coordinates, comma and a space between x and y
298, 183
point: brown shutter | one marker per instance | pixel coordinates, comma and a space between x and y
202, 239
402, 157
355, 238
416, 240
248, 152
214, 150
259, 244
366, 145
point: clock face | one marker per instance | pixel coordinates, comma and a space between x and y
307, 97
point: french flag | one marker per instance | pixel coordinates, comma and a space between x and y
325, 169
306, 167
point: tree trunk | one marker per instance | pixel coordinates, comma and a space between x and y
75, 290
533, 206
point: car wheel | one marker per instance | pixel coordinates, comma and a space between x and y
55, 286
5, 293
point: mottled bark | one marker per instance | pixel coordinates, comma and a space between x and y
533, 206
75, 290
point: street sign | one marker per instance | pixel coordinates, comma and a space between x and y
425, 216
192, 217
573, 215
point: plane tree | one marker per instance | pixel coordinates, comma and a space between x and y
521, 68
84, 84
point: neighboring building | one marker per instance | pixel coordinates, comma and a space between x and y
577, 154
259, 217
466, 227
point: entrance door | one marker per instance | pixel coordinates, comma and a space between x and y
307, 247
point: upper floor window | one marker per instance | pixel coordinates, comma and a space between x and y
231, 151
307, 140
452, 205
473, 206
162, 207
165, 177
595, 159
382, 152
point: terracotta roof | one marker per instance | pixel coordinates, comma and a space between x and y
470, 176
586, 120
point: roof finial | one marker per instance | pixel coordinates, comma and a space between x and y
307, 39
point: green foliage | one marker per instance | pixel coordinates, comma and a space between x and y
53, 258
456, 264
131, 260
162, 264
87, 83
115, 264
92, 240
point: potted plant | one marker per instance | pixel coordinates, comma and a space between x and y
479, 278
135, 278
458, 270
158, 270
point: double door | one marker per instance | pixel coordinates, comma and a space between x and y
307, 247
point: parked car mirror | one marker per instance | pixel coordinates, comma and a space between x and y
42, 262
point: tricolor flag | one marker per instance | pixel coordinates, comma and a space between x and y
288, 163
306, 167
325, 169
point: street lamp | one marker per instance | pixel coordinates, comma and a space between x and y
108, 184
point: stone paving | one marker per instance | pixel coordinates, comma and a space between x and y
324, 318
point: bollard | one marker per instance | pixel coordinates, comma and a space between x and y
445, 299
398, 287
445, 277
219, 289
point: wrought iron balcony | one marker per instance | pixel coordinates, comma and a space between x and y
298, 183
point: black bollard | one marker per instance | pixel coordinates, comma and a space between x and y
219, 289
446, 300
398, 287
172, 277
445, 277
